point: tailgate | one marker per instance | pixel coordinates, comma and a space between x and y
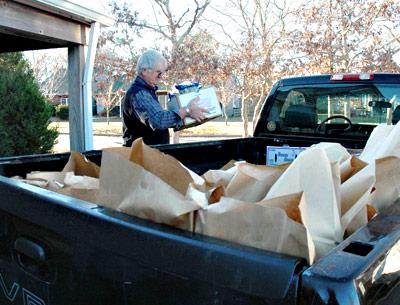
364, 269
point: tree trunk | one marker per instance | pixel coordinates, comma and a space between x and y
257, 110
225, 115
176, 137
245, 118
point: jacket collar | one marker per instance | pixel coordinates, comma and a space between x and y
140, 82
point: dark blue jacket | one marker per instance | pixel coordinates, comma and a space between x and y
133, 127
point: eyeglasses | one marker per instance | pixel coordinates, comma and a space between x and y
159, 72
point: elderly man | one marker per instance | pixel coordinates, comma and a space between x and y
143, 116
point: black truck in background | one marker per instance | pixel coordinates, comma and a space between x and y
55, 249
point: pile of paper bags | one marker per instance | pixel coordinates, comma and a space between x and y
303, 209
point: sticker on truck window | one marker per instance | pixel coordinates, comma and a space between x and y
282, 154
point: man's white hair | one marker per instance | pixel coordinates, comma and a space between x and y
149, 59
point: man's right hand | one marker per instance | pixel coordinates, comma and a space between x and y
195, 111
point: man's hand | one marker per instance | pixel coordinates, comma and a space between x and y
195, 111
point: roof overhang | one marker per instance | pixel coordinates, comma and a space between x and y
82, 11
44, 24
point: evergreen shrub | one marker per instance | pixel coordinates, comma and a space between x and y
24, 113
62, 112
53, 109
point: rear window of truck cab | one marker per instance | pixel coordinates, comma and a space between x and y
347, 108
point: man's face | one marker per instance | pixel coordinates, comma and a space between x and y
153, 76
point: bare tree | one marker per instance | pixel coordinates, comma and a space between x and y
200, 59
110, 78
172, 26
346, 36
255, 54
123, 35
272, 29
50, 71
226, 93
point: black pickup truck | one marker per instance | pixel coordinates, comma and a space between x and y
59, 250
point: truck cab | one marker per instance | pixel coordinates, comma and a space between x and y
342, 108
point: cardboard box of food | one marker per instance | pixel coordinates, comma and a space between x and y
208, 100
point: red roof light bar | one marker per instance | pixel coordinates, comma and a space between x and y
352, 76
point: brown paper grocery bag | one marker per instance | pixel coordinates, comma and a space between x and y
123, 151
355, 195
375, 141
252, 182
67, 183
81, 182
205, 195
350, 167
384, 141
80, 166
313, 173
166, 167
359, 196
56, 180
334, 151
230, 164
50, 180
83, 194
35, 182
89, 195
290, 203
264, 225
130, 188
221, 176
385, 176
387, 185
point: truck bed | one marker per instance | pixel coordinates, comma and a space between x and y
60, 250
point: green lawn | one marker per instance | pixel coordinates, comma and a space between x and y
210, 128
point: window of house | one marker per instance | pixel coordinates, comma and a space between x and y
64, 101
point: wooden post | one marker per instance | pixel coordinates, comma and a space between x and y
76, 115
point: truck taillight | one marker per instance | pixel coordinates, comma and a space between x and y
347, 77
